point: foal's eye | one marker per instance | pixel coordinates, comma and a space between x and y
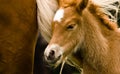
70, 27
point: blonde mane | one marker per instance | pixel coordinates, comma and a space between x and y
108, 5
45, 13
47, 8
102, 10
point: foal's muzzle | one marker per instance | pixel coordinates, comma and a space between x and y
52, 54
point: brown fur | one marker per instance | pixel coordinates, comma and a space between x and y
18, 34
95, 38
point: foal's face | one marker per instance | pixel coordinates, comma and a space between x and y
67, 34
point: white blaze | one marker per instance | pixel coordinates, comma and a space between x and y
59, 15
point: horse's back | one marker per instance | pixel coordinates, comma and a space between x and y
18, 32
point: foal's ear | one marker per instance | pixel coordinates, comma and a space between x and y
81, 5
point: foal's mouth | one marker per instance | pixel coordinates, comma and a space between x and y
52, 60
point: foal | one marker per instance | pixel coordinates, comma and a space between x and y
83, 36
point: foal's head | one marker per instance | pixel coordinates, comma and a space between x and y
67, 30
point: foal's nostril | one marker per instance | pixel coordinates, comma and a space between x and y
51, 55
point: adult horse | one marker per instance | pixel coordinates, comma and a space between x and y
83, 36
18, 34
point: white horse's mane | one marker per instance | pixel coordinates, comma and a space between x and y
107, 6
47, 8
45, 13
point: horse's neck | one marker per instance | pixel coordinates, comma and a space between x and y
94, 36
95, 46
